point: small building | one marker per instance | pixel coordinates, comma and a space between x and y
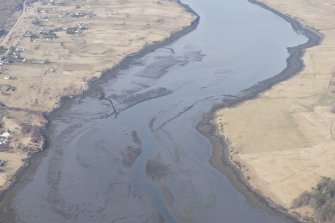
3, 141
76, 30
6, 134
4, 137
79, 14
47, 34
27, 34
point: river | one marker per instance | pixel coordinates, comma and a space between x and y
128, 150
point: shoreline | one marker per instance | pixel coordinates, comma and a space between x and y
221, 158
217, 142
294, 61
33, 159
109, 72
224, 165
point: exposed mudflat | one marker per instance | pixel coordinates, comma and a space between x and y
55, 49
129, 151
283, 141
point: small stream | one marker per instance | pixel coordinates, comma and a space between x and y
129, 151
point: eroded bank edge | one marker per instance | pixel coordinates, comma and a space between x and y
220, 145
92, 85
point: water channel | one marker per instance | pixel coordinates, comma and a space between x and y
129, 151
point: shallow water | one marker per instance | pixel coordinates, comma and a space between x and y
129, 151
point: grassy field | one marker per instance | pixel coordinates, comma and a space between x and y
284, 140
55, 48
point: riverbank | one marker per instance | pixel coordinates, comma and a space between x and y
281, 141
56, 50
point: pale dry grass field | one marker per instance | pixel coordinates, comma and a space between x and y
56, 49
9, 10
284, 140
13, 162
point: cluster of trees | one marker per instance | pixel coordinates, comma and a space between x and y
321, 199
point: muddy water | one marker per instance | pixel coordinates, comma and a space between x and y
128, 151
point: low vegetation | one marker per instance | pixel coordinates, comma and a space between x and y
321, 199
55, 48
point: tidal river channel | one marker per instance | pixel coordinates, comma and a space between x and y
128, 150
